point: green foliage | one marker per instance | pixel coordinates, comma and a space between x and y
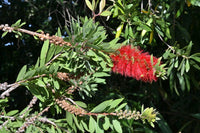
75, 81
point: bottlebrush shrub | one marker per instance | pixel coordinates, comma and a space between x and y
133, 62
68, 68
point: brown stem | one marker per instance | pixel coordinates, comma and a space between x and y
53, 39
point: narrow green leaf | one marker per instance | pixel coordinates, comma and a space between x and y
102, 4
176, 64
189, 47
197, 115
4, 34
195, 58
100, 74
58, 33
121, 106
21, 73
92, 124
181, 81
93, 4
50, 52
187, 65
29, 74
16, 23
13, 112
89, 5
117, 126
106, 125
22, 24
101, 106
43, 54
183, 69
84, 125
187, 81
34, 89
119, 30
130, 32
80, 127
69, 118
81, 104
182, 63
115, 103
106, 13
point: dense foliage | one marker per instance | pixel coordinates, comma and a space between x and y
112, 66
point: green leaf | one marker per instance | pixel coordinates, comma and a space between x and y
16, 23
119, 30
197, 116
77, 124
89, 5
29, 74
21, 73
187, 81
130, 32
100, 74
4, 34
189, 47
102, 5
187, 66
101, 106
36, 91
50, 52
195, 58
43, 54
84, 125
93, 4
121, 106
181, 81
13, 112
105, 13
22, 24
115, 103
117, 126
69, 118
92, 124
106, 125
81, 104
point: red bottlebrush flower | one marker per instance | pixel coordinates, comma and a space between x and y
132, 62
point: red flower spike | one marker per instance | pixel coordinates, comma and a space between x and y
132, 62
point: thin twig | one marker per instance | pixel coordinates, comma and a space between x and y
31, 120
170, 47
32, 102
56, 56
17, 84
52, 39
